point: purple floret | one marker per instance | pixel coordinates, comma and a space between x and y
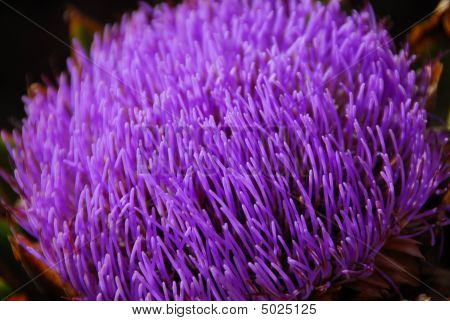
234, 150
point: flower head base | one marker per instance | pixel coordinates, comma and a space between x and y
231, 150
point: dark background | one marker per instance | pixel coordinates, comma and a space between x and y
27, 52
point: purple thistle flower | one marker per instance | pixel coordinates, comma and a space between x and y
234, 150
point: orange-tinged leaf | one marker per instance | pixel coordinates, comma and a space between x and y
36, 88
18, 297
408, 246
44, 277
425, 33
436, 72
81, 27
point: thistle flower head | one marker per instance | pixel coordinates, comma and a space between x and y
233, 150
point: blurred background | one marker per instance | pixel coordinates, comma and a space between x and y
27, 53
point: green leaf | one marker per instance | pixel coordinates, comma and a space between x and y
6, 257
5, 290
6, 192
5, 248
4, 157
82, 27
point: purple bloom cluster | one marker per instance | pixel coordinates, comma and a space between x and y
234, 150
